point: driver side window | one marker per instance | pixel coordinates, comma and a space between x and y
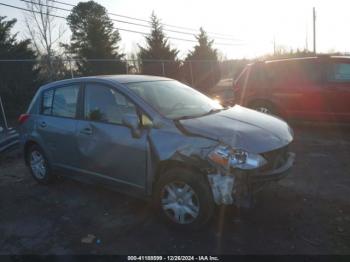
104, 104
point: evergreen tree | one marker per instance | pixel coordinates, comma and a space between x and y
18, 78
202, 67
158, 48
94, 37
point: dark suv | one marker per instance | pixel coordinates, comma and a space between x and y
314, 88
154, 138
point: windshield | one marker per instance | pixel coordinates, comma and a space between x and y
173, 99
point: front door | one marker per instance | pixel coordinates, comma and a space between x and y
107, 148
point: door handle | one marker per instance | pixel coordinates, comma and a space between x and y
86, 131
43, 124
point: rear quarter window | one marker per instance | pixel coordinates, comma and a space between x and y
47, 102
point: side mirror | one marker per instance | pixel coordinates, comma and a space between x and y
132, 122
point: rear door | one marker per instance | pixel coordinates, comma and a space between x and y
338, 87
107, 148
57, 122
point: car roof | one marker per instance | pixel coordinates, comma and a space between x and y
312, 58
119, 79
124, 79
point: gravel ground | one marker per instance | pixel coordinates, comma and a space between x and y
305, 213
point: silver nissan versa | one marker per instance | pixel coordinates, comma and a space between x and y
155, 138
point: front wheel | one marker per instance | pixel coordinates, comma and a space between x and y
184, 199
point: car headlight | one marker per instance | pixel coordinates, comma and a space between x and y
227, 157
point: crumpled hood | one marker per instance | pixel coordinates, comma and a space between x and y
242, 128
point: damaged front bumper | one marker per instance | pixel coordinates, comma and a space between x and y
237, 187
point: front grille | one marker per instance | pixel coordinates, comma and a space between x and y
275, 158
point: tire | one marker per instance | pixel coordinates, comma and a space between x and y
39, 166
188, 193
264, 107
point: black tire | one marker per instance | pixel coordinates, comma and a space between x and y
47, 177
203, 197
264, 107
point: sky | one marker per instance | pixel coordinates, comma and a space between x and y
254, 24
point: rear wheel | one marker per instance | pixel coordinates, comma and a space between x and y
184, 199
39, 165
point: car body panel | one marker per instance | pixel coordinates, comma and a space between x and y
112, 151
59, 136
242, 128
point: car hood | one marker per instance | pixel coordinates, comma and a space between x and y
242, 128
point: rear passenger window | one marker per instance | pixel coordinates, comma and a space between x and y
61, 101
104, 104
339, 72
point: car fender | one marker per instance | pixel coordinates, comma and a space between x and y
169, 148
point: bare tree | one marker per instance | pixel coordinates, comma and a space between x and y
46, 35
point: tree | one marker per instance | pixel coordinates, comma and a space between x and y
282, 52
201, 67
158, 48
45, 35
94, 37
18, 78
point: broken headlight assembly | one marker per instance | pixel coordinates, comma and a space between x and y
227, 157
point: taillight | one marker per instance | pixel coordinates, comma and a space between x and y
23, 118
